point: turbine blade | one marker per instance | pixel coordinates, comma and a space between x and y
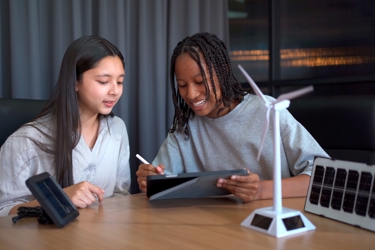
253, 85
294, 94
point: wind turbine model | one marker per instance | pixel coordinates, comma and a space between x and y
277, 220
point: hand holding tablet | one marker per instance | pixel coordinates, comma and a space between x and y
189, 185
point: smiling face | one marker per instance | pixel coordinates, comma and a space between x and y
101, 87
191, 87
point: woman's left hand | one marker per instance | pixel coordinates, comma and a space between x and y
244, 187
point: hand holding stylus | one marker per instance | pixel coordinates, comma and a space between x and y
145, 170
142, 159
159, 169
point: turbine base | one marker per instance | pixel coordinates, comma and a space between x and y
285, 223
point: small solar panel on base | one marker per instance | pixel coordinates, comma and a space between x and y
343, 191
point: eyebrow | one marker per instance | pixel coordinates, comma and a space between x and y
193, 76
108, 75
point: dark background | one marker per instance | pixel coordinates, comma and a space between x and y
327, 43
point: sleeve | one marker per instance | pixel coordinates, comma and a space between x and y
14, 171
299, 145
170, 156
123, 168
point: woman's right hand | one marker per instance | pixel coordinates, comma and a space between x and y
145, 170
83, 194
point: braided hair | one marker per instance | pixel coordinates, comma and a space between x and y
216, 57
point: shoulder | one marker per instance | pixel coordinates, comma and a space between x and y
115, 124
116, 121
253, 101
23, 144
38, 130
251, 106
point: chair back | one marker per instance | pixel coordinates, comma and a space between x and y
16, 112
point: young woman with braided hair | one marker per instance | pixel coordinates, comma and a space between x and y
218, 126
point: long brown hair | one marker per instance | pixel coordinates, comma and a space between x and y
83, 54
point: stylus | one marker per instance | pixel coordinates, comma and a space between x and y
141, 159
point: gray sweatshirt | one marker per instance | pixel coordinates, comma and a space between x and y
232, 142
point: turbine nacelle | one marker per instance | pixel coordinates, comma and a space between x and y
281, 104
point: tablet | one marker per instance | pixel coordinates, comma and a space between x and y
52, 199
188, 185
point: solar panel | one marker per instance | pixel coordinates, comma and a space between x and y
343, 191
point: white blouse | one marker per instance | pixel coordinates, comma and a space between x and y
106, 165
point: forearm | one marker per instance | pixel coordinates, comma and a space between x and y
33, 203
291, 187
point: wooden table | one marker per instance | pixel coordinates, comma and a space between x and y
131, 222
